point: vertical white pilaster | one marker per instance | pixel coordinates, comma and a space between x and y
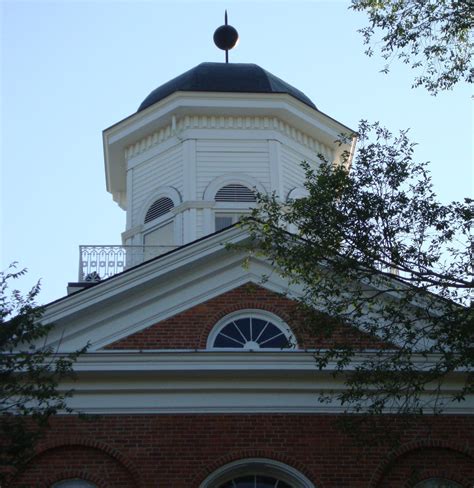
207, 221
189, 225
189, 170
178, 229
192, 224
276, 176
189, 189
129, 190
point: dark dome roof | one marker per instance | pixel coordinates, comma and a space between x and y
225, 77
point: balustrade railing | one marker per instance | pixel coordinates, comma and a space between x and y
99, 262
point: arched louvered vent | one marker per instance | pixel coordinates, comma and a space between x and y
158, 208
235, 193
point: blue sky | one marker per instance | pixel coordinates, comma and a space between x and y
70, 69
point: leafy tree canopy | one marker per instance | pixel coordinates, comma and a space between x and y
373, 249
30, 373
435, 37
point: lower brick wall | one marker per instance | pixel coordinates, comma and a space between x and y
180, 451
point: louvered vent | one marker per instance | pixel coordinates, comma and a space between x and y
159, 208
235, 193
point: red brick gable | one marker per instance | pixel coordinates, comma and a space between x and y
190, 329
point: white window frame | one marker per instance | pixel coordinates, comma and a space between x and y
257, 466
153, 225
231, 179
297, 193
164, 248
236, 209
437, 481
150, 227
254, 313
160, 192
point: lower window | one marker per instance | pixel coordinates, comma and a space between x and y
256, 473
73, 483
255, 481
224, 220
437, 483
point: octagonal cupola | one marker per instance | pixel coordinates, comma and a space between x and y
189, 161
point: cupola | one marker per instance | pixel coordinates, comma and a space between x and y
189, 162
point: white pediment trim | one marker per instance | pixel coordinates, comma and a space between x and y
155, 291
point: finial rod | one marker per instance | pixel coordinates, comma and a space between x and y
226, 51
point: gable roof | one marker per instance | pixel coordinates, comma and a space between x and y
148, 293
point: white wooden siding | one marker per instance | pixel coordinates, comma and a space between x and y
218, 157
293, 174
164, 170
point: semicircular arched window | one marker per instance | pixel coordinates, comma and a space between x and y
437, 483
233, 201
251, 330
255, 481
256, 473
158, 208
235, 193
73, 483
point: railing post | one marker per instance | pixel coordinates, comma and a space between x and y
80, 272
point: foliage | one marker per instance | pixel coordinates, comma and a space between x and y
29, 373
432, 36
374, 250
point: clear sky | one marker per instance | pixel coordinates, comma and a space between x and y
70, 69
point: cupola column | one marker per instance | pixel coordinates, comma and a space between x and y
189, 190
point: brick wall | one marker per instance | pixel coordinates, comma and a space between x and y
190, 329
180, 451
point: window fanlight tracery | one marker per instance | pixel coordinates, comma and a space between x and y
437, 483
256, 473
251, 330
255, 481
73, 483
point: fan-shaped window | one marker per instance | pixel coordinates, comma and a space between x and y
255, 481
73, 483
235, 193
437, 483
158, 208
251, 330
256, 473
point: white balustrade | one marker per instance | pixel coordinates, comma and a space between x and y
99, 262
